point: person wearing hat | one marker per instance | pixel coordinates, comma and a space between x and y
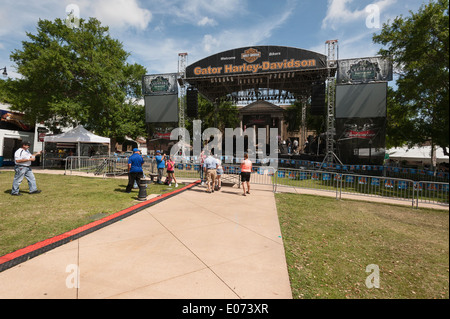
160, 165
135, 172
23, 159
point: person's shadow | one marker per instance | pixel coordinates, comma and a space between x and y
8, 191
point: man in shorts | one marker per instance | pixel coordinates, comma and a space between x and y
246, 170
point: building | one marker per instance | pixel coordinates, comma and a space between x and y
14, 130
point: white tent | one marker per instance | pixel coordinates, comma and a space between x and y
417, 154
78, 135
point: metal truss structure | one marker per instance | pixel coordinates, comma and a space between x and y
182, 64
330, 156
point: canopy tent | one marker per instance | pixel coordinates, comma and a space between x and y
417, 154
79, 135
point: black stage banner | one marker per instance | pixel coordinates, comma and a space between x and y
364, 70
160, 84
361, 140
257, 59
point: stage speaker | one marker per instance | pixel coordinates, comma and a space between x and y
192, 102
318, 105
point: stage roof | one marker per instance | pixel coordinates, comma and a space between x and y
260, 71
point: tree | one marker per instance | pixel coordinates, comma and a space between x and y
293, 116
418, 110
226, 115
77, 76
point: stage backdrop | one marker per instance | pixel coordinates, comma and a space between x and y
161, 98
361, 123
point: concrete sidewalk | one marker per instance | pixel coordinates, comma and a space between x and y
193, 245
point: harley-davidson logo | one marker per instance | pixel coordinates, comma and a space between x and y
251, 55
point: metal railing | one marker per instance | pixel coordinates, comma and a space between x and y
431, 192
364, 185
335, 182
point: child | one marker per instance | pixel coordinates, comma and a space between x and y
171, 172
219, 173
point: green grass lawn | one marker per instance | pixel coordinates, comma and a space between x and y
66, 202
330, 243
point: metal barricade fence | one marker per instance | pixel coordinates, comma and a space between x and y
378, 186
364, 185
336, 182
82, 164
309, 179
186, 171
262, 175
431, 193
115, 166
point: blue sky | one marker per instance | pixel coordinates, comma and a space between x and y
155, 31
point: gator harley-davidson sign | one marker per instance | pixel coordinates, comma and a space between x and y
257, 59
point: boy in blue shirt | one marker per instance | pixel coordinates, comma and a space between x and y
135, 172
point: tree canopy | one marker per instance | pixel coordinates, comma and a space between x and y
418, 110
225, 115
294, 119
79, 75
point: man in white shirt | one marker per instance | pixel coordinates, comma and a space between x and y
210, 166
23, 159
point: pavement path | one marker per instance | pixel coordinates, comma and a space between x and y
192, 245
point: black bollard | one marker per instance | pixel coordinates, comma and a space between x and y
142, 189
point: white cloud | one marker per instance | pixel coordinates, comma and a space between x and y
253, 35
198, 12
209, 42
157, 55
207, 21
339, 13
117, 13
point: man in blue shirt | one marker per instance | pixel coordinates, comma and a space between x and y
135, 172
160, 165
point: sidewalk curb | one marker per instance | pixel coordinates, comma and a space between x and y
13, 259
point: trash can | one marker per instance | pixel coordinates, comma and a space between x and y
143, 189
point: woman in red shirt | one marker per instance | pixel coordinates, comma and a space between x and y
246, 169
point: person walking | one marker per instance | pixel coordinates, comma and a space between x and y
219, 172
202, 164
135, 172
22, 160
246, 170
171, 172
160, 165
210, 167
